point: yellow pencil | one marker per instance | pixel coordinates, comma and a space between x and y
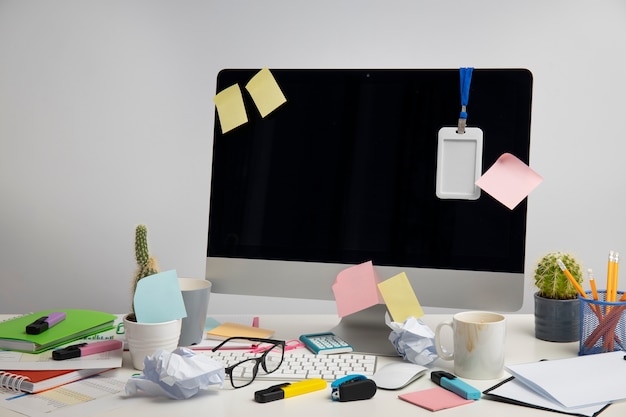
572, 279
615, 274
609, 278
592, 283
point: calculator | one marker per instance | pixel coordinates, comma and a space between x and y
325, 343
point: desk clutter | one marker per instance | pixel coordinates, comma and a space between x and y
53, 349
545, 385
47, 349
77, 345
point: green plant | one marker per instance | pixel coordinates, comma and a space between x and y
550, 279
146, 264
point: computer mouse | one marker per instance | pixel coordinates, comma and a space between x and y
398, 375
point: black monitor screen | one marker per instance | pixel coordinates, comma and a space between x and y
345, 170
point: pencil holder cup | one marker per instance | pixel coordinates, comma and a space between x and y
602, 324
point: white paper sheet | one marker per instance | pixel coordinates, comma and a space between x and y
578, 381
514, 391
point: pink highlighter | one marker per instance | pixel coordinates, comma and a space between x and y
84, 349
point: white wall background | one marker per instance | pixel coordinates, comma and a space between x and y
106, 119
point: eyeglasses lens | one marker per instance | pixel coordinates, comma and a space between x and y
267, 360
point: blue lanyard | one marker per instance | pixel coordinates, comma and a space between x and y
466, 80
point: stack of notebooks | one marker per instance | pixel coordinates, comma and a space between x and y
26, 363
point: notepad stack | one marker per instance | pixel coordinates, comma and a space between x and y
27, 364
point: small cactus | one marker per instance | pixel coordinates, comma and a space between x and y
146, 265
550, 279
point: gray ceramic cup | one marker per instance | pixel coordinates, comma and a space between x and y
196, 294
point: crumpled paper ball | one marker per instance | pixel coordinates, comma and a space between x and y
413, 340
179, 374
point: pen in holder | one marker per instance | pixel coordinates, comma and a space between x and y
602, 324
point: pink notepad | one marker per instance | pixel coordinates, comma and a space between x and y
434, 399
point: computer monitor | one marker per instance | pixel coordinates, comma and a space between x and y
344, 172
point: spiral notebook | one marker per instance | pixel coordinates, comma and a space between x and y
37, 381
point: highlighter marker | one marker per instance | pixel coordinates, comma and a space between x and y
44, 323
84, 349
287, 390
454, 384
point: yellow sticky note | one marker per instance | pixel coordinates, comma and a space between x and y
265, 92
230, 108
400, 298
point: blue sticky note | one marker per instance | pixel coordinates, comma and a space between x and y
211, 323
158, 298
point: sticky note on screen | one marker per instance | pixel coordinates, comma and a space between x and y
509, 180
400, 298
230, 108
265, 92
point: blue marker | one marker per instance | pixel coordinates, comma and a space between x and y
454, 384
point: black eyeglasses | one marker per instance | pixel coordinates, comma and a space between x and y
271, 353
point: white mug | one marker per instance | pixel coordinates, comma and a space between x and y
479, 338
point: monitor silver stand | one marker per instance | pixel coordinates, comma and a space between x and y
367, 331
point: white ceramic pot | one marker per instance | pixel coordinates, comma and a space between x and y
143, 339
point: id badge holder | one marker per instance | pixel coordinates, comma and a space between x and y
460, 153
459, 163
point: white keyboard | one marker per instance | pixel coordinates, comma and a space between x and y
301, 364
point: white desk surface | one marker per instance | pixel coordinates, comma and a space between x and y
521, 346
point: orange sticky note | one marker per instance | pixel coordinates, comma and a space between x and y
356, 288
230, 108
265, 92
509, 180
400, 298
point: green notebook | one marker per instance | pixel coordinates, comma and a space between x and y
77, 324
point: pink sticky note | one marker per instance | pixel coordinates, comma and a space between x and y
509, 180
434, 399
356, 288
